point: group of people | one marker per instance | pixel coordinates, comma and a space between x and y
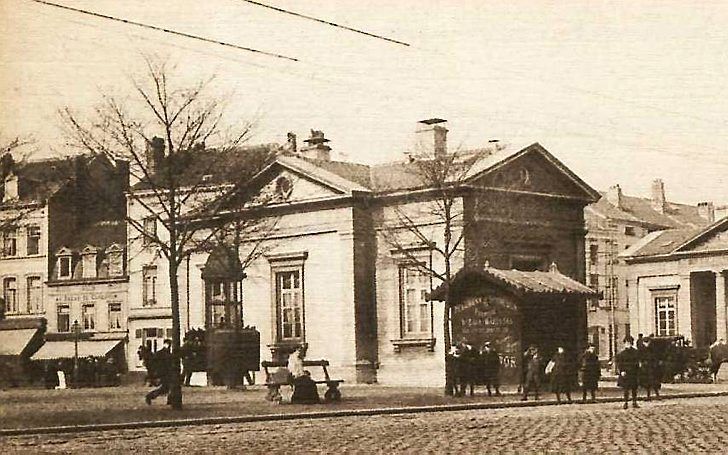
561, 371
91, 372
470, 366
637, 366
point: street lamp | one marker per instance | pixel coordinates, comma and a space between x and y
76, 328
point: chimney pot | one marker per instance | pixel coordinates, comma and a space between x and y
316, 147
431, 137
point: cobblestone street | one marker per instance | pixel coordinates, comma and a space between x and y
697, 425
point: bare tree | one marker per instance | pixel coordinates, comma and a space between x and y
435, 220
193, 171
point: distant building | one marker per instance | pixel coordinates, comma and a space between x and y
46, 206
331, 280
678, 283
615, 223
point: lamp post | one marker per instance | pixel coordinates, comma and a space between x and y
76, 328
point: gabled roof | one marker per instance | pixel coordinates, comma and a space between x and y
321, 173
672, 241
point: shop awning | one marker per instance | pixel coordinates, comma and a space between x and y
13, 342
65, 349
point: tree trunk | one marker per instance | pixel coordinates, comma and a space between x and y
449, 383
175, 389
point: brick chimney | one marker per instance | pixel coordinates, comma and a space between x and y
706, 210
154, 154
431, 137
658, 200
316, 147
614, 196
291, 145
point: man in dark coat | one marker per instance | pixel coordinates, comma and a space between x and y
533, 369
628, 365
163, 361
490, 362
561, 375
651, 371
590, 371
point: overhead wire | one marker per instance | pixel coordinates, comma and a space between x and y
355, 84
322, 21
165, 30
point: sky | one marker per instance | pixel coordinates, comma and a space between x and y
622, 92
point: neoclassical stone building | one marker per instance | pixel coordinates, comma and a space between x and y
677, 283
329, 274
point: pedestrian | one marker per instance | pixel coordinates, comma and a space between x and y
304, 388
651, 371
590, 371
628, 365
165, 370
533, 368
490, 363
561, 375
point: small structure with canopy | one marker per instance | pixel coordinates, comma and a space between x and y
515, 309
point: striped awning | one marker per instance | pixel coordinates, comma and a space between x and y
13, 342
66, 349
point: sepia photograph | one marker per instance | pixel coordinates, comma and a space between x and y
320, 226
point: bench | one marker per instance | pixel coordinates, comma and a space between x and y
274, 383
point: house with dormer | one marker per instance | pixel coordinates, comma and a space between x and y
47, 207
328, 276
678, 283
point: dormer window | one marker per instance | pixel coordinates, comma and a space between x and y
115, 259
65, 264
88, 262
11, 188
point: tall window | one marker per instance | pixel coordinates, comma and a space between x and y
665, 315
414, 307
150, 231
289, 299
35, 294
594, 281
33, 240
10, 242
149, 286
10, 293
115, 316
593, 253
88, 313
216, 301
64, 318
64, 267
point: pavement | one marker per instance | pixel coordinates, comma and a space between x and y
695, 425
35, 411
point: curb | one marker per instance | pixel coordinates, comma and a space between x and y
322, 415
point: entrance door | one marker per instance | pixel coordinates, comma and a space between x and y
702, 308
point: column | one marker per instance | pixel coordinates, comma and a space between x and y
720, 305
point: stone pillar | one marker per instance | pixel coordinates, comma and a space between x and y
684, 310
721, 322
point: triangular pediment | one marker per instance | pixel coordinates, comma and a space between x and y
283, 185
534, 170
712, 238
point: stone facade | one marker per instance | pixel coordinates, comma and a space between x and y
678, 283
615, 223
349, 294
